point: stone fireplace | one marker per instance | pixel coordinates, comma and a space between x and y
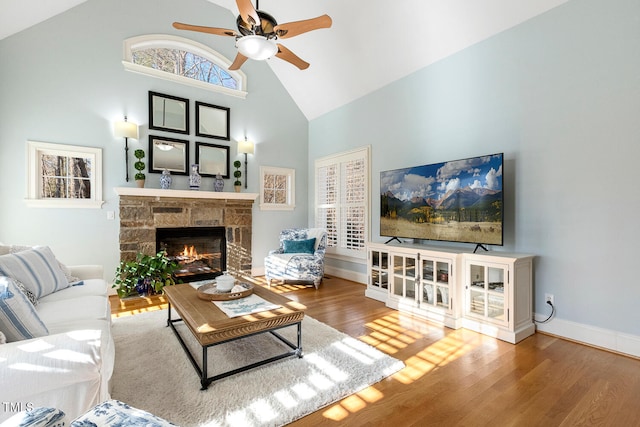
144, 210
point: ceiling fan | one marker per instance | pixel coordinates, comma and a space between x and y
257, 34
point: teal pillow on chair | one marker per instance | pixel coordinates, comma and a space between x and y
299, 246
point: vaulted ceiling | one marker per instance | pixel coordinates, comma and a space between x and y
370, 44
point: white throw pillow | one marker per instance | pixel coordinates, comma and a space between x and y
36, 268
18, 317
317, 233
3, 339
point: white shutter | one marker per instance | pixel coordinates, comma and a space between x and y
342, 202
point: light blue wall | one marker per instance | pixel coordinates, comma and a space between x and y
62, 81
560, 96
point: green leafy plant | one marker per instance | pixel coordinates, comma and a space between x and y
237, 174
139, 165
152, 273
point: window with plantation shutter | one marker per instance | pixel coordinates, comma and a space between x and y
342, 201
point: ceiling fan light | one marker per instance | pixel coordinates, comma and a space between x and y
256, 47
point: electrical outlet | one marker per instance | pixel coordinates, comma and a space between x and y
548, 298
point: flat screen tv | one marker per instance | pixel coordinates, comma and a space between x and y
456, 201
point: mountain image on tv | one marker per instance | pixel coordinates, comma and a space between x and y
458, 201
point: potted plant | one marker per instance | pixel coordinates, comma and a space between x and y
146, 275
237, 184
139, 165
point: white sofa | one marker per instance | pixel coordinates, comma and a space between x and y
70, 368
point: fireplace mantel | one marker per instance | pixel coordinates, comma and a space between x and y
183, 194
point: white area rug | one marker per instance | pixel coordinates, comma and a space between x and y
153, 373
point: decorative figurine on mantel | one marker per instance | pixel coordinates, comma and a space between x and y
218, 183
194, 178
165, 179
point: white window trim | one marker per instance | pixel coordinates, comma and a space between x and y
291, 189
35, 149
363, 152
175, 42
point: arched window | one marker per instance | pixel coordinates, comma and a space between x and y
184, 61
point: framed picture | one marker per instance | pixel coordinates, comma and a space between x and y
213, 159
212, 121
277, 188
168, 113
64, 176
168, 153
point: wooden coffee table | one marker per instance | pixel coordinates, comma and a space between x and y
210, 326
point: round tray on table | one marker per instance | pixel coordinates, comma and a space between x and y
210, 292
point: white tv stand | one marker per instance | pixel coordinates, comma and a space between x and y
488, 292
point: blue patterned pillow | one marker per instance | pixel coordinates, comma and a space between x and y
18, 317
306, 246
37, 269
38, 417
116, 413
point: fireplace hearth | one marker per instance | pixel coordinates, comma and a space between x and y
200, 251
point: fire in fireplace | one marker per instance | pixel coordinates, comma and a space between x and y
200, 251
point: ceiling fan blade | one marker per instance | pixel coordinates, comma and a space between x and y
287, 55
210, 30
248, 12
295, 28
237, 63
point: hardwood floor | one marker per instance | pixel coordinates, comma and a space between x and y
459, 377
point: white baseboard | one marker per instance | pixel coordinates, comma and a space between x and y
598, 337
331, 271
354, 276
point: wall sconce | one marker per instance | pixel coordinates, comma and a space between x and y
126, 130
245, 147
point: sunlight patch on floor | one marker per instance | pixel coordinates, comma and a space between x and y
139, 310
352, 404
390, 334
394, 332
438, 354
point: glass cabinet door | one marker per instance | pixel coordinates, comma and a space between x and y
379, 269
485, 292
404, 276
435, 283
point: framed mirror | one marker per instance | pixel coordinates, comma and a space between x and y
168, 113
168, 153
212, 121
213, 159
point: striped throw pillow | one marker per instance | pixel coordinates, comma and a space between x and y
18, 317
37, 269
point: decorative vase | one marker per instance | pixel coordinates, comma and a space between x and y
140, 183
142, 287
165, 180
194, 178
218, 183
